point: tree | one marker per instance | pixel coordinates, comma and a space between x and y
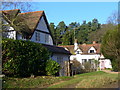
114, 18
14, 20
95, 25
53, 31
111, 47
23, 6
60, 31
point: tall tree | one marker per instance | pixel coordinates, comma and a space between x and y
111, 47
95, 25
60, 30
53, 31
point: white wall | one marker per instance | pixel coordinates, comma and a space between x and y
42, 25
107, 63
42, 38
79, 57
11, 34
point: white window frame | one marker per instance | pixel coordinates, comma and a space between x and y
46, 38
37, 36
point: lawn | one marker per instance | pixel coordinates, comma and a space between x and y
36, 82
89, 80
86, 80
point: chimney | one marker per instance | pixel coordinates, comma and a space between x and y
94, 42
84, 44
75, 45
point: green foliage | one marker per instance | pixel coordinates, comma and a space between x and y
52, 67
65, 35
36, 82
111, 47
23, 58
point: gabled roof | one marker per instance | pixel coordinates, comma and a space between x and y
84, 48
31, 19
56, 49
10, 14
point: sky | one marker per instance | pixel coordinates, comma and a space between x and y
76, 11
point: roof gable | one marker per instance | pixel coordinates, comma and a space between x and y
30, 19
92, 48
84, 48
10, 14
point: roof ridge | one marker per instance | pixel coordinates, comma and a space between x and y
32, 12
90, 44
11, 10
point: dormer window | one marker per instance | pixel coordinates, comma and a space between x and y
78, 52
92, 51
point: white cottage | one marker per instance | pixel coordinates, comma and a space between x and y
37, 28
87, 53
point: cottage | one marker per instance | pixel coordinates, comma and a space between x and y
87, 53
36, 29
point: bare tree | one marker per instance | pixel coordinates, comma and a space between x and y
15, 20
17, 4
114, 18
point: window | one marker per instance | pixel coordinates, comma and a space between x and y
90, 61
59, 59
91, 51
46, 38
37, 36
84, 61
78, 52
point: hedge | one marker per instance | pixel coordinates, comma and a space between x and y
23, 58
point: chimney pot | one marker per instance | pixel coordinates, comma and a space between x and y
94, 42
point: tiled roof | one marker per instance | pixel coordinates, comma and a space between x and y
56, 49
84, 48
10, 13
30, 19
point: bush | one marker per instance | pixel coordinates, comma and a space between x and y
52, 67
23, 58
76, 67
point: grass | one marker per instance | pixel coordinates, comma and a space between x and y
86, 80
37, 82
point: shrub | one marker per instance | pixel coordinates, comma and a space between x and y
52, 67
76, 67
23, 58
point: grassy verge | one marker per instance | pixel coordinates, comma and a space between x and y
37, 82
88, 80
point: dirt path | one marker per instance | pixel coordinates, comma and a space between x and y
109, 71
